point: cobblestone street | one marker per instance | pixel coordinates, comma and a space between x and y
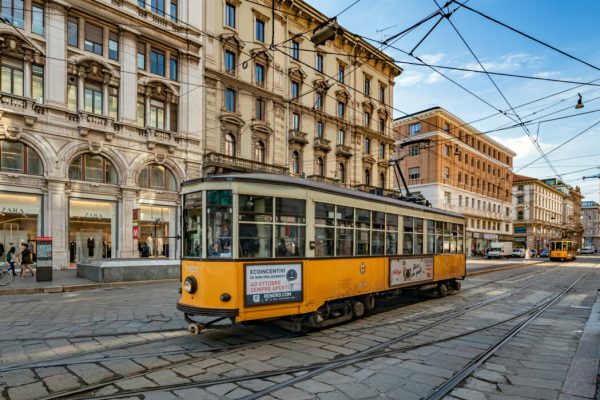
130, 342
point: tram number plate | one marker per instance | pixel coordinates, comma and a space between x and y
273, 283
410, 270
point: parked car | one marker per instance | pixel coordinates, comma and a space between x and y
544, 253
518, 253
586, 250
534, 253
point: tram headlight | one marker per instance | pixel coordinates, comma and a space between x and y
190, 285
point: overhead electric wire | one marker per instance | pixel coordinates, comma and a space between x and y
524, 127
526, 35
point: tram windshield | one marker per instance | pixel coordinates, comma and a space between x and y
561, 246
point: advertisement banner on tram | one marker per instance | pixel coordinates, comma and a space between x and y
410, 270
273, 283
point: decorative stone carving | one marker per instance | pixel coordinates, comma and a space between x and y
95, 147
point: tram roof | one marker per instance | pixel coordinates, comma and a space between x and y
314, 185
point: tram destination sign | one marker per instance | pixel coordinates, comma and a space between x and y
273, 283
410, 270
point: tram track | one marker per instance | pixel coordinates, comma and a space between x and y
306, 371
80, 358
448, 316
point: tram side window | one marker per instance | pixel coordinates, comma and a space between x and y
447, 237
324, 231
363, 223
256, 226
344, 231
569, 246
418, 244
391, 234
408, 235
461, 239
378, 233
430, 237
453, 238
218, 219
439, 237
290, 228
192, 225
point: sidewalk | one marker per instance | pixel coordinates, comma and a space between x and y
64, 280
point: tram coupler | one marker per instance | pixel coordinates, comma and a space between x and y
195, 328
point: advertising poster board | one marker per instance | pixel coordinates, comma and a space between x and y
43, 248
410, 270
273, 283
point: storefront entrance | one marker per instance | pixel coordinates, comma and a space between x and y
92, 228
20, 218
157, 231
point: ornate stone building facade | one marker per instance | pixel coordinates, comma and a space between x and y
279, 103
590, 218
545, 210
100, 114
457, 168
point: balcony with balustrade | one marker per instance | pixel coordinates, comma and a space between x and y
217, 162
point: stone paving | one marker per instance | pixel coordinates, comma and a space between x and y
136, 334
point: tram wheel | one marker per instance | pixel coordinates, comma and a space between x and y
443, 290
195, 329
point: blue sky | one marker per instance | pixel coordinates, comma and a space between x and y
571, 26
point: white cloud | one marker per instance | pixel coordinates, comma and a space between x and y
546, 74
432, 58
409, 78
432, 78
507, 63
523, 146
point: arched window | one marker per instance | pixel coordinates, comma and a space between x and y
20, 158
259, 152
157, 177
320, 167
92, 168
296, 162
367, 177
342, 173
230, 145
382, 180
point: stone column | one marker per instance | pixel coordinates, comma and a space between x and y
128, 88
56, 52
57, 216
27, 77
128, 245
80, 92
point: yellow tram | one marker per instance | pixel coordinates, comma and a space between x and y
563, 250
260, 246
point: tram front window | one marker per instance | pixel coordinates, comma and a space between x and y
219, 228
192, 225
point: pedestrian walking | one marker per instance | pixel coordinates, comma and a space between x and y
11, 259
26, 261
527, 255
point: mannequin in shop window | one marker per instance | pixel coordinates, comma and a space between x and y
150, 244
90, 245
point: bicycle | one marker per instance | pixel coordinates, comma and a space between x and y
5, 277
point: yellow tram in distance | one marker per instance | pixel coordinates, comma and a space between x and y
307, 254
563, 250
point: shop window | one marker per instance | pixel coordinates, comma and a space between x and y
20, 219
12, 77
37, 19
92, 168
157, 177
20, 158
92, 229
155, 231
93, 38
13, 12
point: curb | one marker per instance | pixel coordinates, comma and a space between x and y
76, 288
503, 268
